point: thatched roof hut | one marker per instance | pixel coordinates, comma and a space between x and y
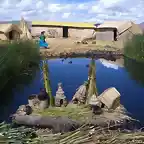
60, 98
117, 31
80, 95
24, 27
94, 101
9, 32
110, 98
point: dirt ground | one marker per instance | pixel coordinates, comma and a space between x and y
61, 45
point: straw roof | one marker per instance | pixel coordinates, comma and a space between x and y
110, 97
24, 27
80, 93
5, 28
94, 101
60, 92
121, 26
69, 24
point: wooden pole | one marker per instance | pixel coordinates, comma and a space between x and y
46, 79
92, 89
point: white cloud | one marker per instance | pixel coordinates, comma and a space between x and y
66, 15
82, 6
54, 7
40, 4
93, 10
108, 64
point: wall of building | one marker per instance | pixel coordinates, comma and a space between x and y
55, 31
128, 34
80, 33
2, 36
75, 33
105, 35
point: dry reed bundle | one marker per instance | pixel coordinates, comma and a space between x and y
99, 135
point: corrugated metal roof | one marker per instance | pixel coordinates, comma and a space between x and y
69, 24
119, 25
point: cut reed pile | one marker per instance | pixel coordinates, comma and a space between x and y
83, 135
90, 135
87, 134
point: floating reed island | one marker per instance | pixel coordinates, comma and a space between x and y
86, 107
86, 114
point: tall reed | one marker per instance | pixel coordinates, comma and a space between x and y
46, 80
134, 48
18, 58
92, 89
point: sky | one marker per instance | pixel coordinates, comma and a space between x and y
72, 10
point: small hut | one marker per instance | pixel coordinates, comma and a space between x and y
110, 98
95, 104
60, 98
80, 95
25, 31
94, 101
9, 32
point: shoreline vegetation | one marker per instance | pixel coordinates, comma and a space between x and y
18, 59
106, 54
134, 48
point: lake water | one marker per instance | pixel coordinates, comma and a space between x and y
73, 75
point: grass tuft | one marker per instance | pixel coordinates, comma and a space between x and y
134, 48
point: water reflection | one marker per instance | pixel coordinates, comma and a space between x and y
15, 85
135, 69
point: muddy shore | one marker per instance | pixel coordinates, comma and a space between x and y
71, 53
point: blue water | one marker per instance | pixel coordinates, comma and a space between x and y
73, 75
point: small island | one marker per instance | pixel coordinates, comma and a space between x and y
86, 110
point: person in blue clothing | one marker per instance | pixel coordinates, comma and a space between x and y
42, 41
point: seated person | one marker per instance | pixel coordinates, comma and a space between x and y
43, 94
42, 41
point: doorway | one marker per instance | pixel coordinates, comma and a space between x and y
11, 35
115, 34
65, 32
61, 102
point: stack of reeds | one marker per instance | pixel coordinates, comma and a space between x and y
46, 79
83, 135
26, 35
19, 135
92, 89
91, 135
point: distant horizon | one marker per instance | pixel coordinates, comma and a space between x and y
16, 21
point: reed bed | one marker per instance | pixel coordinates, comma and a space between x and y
90, 135
134, 48
17, 59
83, 135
